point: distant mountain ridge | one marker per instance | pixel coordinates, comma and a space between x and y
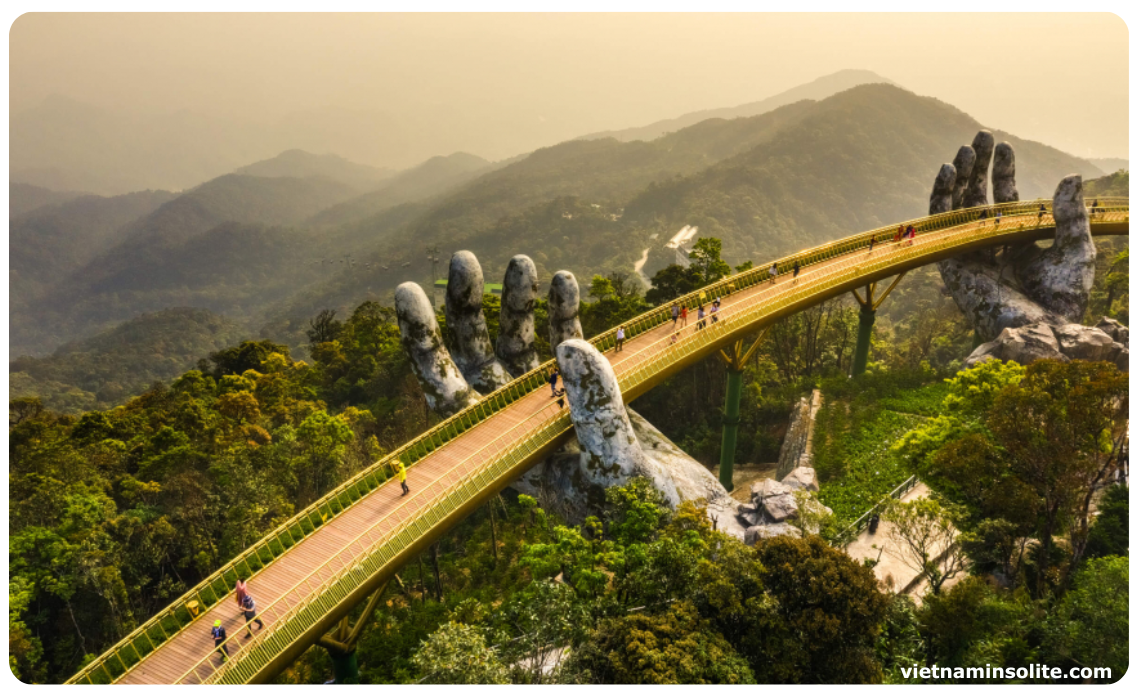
819, 88
25, 197
297, 163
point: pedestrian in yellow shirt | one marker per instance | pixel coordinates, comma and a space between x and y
402, 473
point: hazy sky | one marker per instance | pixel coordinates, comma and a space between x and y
1061, 79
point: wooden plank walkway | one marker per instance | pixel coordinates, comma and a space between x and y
295, 575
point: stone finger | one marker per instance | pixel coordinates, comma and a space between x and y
942, 195
1005, 183
611, 454
562, 309
1061, 276
964, 165
446, 390
515, 346
471, 343
977, 192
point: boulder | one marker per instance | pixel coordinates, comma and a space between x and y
780, 507
1082, 342
766, 488
1022, 345
1114, 329
802, 478
763, 532
1122, 360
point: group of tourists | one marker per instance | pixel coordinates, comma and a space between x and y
246, 607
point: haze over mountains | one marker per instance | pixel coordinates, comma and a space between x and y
273, 243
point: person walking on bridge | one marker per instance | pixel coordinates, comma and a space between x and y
684, 316
219, 633
871, 246
796, 271
402, 474
1040, 213
248, 607
772, 272
553, 380
620, 335
701, 317
676, 312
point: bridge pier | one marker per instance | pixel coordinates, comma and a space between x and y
868, 305
341, 644
735, 363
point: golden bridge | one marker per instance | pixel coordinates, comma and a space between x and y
310, 572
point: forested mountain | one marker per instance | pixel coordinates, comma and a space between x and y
862, 159
817, 89
24, 197
48, 243
790, 178
163, 260
281, 249
105, 370
296, 163
436, 175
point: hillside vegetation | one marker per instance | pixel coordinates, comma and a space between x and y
106, 369
47, 244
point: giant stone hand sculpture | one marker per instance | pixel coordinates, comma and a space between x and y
613, 445
1026, 301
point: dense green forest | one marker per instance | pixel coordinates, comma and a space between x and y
159, 491
107, 369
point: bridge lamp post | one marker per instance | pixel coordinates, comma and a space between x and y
735, 360
868, 304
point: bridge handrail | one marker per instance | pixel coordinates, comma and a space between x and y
307, 521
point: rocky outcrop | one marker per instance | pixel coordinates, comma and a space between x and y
1044, 341
795, 451
802, 478
446, 390
1114, 329
1023, 300
773, 504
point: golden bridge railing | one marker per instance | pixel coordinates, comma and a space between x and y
128, 653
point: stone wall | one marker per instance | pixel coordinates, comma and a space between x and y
796, 450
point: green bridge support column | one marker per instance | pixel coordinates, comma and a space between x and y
731, 424
345, 668
863, 340
735, 362
868, 304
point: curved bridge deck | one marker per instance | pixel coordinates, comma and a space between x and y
312, 570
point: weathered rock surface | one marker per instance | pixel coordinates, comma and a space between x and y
446, 390
795, 451
1023, 345
611, 454
802, 478
763, 532
471, 343
942, 195
1088, 343
977, 190
692, 480
1114, 329
1005, 183
963, 167
562, 309
1060, 277
1045, 341
515, 345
